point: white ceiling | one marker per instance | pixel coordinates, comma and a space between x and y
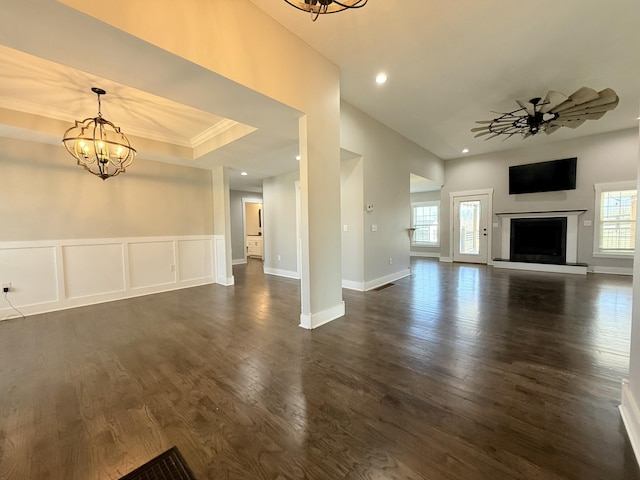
449, 64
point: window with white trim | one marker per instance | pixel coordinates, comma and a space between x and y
425, 222
615, 218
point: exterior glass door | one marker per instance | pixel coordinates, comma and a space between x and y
470, 229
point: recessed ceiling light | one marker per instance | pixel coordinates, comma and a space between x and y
465, 150
298, 157
244, 174
381, 78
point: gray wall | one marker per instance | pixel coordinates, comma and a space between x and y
352, 209
237, 232
388, 160
602, 158
46, 196
279, 228
426, 197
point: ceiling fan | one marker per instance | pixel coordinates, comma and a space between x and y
548, 115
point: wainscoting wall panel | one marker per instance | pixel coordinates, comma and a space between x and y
195, 259
58, 274
34, 266
151, 263
93, 269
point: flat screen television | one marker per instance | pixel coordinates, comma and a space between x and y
543, 176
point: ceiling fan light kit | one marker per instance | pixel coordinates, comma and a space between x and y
321, 7
549, 114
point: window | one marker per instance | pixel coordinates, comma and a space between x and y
615, 228
425, 219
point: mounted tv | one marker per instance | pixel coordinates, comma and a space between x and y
550, 176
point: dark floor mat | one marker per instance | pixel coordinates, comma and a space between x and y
167, 466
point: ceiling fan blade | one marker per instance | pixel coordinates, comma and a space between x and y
529, 107
552, 129
493, 136
552, 100
602, 104
569, 122
579, 97
578, 115
482, 133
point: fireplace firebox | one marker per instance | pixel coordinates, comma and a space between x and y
539, 240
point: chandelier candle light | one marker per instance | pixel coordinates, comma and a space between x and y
320, 7
98, 145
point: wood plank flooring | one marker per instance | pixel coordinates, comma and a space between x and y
457, 372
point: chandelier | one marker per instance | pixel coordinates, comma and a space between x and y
318, 7
98, 145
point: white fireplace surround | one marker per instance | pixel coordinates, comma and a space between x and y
571, 246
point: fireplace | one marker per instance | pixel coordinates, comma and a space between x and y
545, 241
539, 240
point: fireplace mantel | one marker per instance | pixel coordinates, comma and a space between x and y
542, 214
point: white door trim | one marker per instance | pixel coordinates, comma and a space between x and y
469, 193
246, 200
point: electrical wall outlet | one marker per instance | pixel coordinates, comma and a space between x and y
390, 261
279, 257
6, 286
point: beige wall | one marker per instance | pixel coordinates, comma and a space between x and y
47, 197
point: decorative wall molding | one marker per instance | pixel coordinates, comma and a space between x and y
54, 275
446, 259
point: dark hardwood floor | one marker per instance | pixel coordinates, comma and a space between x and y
458, 372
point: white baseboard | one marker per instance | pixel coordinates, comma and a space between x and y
282, 273
351, 285
36, 309
446, 259
226, 281
612, 270
424, 254
239, 261
318, 319
631, 417
378, 282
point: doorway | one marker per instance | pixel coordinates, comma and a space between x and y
471, 239
252, 222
